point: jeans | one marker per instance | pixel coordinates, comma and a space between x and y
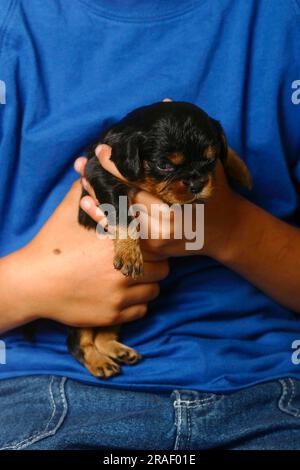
47, 412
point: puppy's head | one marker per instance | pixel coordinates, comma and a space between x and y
169, 149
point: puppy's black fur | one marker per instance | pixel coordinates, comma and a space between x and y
144, 140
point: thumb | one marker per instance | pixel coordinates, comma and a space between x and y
103, 153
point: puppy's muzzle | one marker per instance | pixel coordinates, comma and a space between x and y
196, 187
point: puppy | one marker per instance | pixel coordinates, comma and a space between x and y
169, 149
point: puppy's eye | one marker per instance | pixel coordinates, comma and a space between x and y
165, 166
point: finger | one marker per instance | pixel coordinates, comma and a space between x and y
140, 294
135, 312
151, 257
86, 185
146, 199
167, 100
154, 216
103, 153
154, 272
88, 204
79, 165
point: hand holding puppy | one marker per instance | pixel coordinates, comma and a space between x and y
220, 212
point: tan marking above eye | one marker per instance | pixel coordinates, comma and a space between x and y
176, 158
210, 152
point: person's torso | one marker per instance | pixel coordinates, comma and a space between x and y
72, 68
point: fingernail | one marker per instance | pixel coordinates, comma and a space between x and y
85, 204
77, 166
98, 150
99, 212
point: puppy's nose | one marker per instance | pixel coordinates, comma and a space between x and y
195, 186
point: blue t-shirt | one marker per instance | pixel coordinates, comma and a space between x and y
73, 67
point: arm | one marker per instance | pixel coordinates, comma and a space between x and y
242, 236
66, 274
15, 297
265, 251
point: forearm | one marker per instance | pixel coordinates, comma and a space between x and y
15, 292
265, 251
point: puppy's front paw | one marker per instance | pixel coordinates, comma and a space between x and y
128, 258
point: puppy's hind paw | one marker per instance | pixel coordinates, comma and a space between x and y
102, 366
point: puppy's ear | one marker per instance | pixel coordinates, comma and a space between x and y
234, 166
126, 154
222, 139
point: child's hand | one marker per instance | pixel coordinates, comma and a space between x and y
219, 212
66, 274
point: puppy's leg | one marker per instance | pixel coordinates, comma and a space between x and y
99, 350
128, 256
106, 342
81, 346
236, 169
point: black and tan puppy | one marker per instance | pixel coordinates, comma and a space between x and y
169, 149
